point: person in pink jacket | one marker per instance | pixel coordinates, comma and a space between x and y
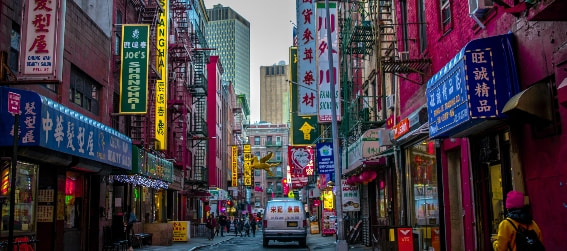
518, 215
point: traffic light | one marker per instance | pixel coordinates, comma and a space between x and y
229, 203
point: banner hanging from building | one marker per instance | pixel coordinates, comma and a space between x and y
41, 50
134, 68
304, 129
247, 165
234, 167
325, 158
306, 62
301, 165
324, 72
162, 36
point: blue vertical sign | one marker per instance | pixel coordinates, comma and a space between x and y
325, 161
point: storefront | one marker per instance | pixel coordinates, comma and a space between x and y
61, 159
467, 101
145, 192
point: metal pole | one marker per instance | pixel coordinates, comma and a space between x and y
341, 242
13, 182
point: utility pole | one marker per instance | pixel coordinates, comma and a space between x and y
341, 242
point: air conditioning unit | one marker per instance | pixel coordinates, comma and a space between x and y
390, 102
477, 8
403, 55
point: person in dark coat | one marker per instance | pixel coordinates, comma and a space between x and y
222, 223
253, 226
211, 225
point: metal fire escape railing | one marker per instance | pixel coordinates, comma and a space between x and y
391, 60
179, 96
198, 135
140, 125
357, 43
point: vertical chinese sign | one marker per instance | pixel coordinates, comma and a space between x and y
234, 166
134, 69
41, 52
481, 83
324, 73
304, 129
247, 165
306, 65
162, 34
300, 164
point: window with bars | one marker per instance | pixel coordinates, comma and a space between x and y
84, 91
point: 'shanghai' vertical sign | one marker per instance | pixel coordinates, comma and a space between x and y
134, 69
161, 84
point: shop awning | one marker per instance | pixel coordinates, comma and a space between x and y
46, 123
532, 103
472, 88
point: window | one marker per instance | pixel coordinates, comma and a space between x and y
14, 48
269, 140
26, 199
278, 140
257, 172
279, 171
118, 34
278, 156
445, 15
84, 91
422, 25
257, 140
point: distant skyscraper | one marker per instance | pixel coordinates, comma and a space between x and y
274, 93
229, 34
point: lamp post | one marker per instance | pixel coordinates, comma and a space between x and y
341, 242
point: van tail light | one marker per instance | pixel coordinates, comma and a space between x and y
264, 223
304, 223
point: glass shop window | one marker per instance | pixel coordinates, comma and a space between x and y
424, 202
24, 206
73, 200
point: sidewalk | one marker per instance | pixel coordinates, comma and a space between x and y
314, 242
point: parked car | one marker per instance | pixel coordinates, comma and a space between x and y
284, 220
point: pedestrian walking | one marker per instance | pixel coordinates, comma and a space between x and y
217, 227
253, 227
211, 225
240, 226
222, 224
247, 227
235, 225
518, 231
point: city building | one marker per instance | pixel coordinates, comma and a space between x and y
228, 33
274, 93
267, 138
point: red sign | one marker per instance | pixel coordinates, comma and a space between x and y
401, 128
14, 102
405, 239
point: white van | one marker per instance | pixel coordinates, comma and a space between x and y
284, 220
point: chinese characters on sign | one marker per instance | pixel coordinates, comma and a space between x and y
46, 123
323, 72
247, 165
304, 129
39, 48
234, 167
161, 84
306, 64
482, 83
134, 69
300, 164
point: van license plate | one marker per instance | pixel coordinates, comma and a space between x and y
292, 223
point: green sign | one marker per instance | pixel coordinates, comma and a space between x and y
134, 69
304, 129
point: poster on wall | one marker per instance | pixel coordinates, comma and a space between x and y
351, 197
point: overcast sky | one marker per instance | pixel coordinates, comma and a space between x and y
271, 24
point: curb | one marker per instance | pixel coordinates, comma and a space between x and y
209, 245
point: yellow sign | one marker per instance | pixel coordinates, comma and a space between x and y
247, 165
234, 166
180, 230
161, 84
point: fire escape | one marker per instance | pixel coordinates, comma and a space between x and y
140, 126
179, 81
197, 133
357, 45
391, 59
